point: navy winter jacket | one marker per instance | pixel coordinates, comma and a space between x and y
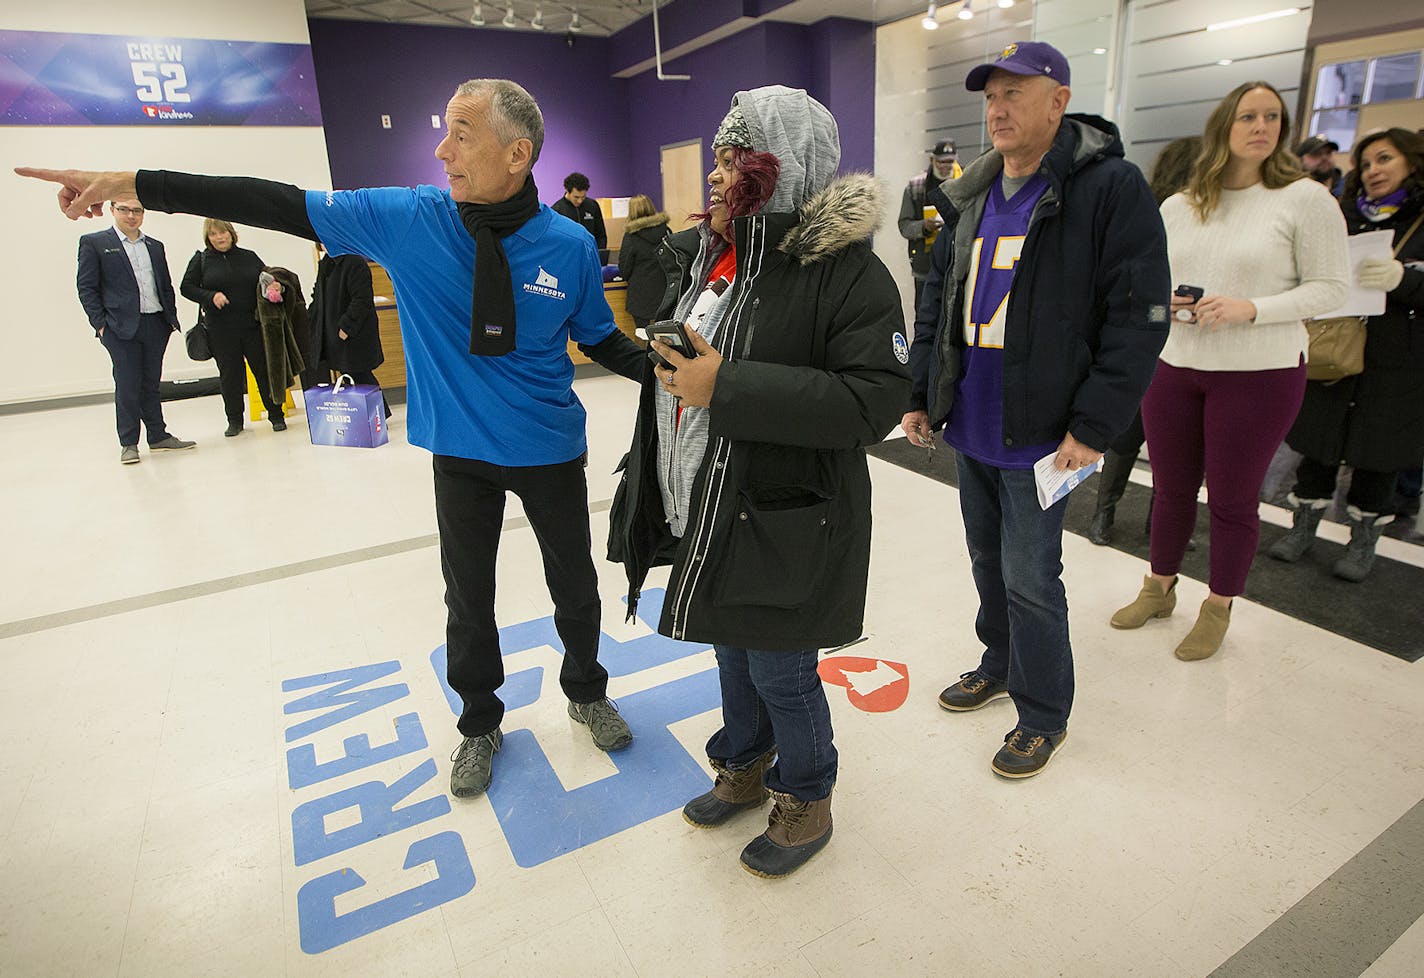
1087, 315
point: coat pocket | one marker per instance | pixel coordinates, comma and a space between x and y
776, 554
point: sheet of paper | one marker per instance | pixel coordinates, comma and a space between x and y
1052, 484
1358, 301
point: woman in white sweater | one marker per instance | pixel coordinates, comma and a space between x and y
1267, 248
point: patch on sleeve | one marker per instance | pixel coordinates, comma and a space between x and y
1157, 314
902, 349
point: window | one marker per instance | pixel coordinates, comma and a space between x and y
1393, 77
1340, 85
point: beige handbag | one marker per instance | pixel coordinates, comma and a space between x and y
1337, 345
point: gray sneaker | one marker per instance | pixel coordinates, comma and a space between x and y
172, 444
473, 763
128, 455
610, 731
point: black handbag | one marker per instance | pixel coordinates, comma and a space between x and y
196, 339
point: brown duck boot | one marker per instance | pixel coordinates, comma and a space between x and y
795, 832
1206, 635
1152, 602
732, 792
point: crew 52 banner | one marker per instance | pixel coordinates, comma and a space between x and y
54, 79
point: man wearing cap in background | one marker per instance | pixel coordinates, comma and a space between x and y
1052, 280
918, 220
1317, 158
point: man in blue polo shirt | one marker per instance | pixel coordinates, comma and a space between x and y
492, 287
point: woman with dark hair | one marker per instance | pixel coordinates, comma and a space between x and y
747, 470
1373, 421
1169, 175
637, 262
222, 280
1266, 249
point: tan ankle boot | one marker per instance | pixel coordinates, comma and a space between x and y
1206, 635
1152, 602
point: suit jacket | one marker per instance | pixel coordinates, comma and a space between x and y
108, 290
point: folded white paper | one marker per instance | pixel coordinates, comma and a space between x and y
1053, 484
1358, 301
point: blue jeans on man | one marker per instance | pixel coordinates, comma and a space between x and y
775, 699
1016, 553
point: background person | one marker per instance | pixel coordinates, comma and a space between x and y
1317, 159
1373, 421
748, 462
637, 258
915, 225
584, 211
1268, 249
1170, 173
222, 279
127, 293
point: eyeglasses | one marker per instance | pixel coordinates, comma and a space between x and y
127, 211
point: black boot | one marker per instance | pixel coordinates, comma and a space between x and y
1112, 482
1365, 530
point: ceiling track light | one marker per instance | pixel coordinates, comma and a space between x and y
1005, 4
508, 20
538, 22
477, 16
576, 25
966, 12
931, 22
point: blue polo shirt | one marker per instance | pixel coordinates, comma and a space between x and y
515, 410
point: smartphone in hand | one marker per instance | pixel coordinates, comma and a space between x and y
670, 332
1192, 292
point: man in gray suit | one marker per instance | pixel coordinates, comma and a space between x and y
127, 292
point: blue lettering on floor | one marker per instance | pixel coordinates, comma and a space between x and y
540, 819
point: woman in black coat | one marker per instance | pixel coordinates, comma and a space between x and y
222, 280
645, 230
1373, 421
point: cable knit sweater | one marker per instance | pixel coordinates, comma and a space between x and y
1285, 250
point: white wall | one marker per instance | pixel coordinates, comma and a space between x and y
49, 348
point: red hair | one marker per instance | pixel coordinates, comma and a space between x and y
759, 173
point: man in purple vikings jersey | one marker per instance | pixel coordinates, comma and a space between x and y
1043, 314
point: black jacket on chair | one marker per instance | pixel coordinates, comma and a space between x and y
343, 299
108, 290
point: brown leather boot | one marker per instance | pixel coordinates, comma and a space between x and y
732, 792
1206, 635
796, 831
1151, 602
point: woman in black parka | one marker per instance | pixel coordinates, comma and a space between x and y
748, 462
1373, 421
637, 261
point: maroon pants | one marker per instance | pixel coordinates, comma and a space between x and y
1224, 425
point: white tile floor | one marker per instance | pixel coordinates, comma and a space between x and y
146, 815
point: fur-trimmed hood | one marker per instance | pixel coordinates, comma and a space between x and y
851, 209
640, 223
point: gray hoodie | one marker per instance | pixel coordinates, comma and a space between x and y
802, 134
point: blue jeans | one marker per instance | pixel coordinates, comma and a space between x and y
775, 699
1016, 549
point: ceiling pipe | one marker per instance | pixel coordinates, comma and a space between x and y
658, 50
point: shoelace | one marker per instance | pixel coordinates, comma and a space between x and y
972, 681
482, 747
790, 811
602, 716
1034, 742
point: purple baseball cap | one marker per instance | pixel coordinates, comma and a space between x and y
1023, 58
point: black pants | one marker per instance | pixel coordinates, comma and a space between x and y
1370, 492
469, 509
138, 366
231, 347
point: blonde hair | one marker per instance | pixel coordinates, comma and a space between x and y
1277, 170
212, 224
640, 206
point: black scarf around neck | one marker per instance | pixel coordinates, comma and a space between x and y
492, 308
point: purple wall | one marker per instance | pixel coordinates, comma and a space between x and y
606, 127
833, 60
366, 70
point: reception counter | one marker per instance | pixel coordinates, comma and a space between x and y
392, 372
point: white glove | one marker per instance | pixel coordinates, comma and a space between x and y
1384, 274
